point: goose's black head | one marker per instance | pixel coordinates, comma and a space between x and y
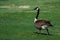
36, 8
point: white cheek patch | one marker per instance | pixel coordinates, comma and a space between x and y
35, 20
37, 8
44, 26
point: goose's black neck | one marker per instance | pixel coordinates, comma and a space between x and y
37, 13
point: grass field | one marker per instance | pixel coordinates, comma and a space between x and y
17, 23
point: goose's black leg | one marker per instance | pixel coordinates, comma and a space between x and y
40, 31
48, 31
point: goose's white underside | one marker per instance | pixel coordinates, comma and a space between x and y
44, 26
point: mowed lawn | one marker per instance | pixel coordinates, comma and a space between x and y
17, 23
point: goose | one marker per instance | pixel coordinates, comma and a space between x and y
41, 24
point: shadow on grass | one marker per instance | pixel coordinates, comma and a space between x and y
42, 33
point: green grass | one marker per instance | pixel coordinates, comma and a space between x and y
17, 24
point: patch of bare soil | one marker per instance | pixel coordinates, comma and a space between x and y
23, 6
14, 6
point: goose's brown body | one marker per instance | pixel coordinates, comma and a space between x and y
40, 23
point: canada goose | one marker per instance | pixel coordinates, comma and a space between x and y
41, 24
